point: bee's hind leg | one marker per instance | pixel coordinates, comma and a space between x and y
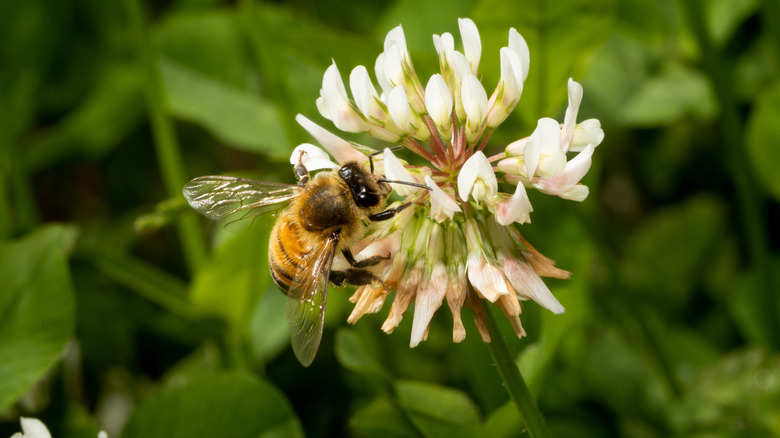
353, 277
371, 261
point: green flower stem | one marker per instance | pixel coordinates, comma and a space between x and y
513, 381
749, 204
166, 144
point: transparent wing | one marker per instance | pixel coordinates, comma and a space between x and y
218, 197
306, 304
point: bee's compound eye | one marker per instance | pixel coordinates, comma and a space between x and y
367, 199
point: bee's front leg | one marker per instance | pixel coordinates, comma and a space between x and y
300, 171
389, 213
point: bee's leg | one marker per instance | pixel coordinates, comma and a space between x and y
389, 213
371, 261
300, 171
353, 277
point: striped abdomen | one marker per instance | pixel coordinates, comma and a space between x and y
285, 253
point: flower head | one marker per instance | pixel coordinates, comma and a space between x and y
457, 242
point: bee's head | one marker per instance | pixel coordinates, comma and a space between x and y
367, 190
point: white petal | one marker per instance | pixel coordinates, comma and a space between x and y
516, 208
334, 103
570, 120
396, 171
339, 148
578, 193
363, 90
477, 167
587, 132
512, 74
34, 428
400, 112
518, 45
428, 300
102, 434
472, 45
313, 158
438, 101
396, 37
442, 205
379, 70
475, 102
545, 139
392, 66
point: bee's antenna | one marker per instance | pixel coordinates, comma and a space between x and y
371, 157
422, 186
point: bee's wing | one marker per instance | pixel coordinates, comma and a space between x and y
306, 304
218, 197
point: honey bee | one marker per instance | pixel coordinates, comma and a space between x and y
324, 216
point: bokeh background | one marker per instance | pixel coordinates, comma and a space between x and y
121, 309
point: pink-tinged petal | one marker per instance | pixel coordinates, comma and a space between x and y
396, 171
516, 208
442, 205
517, 147
527, 282
34, 428
518, 45
544, 141
428, 300
486, 278
477, 168
570, 120
512, 165
312, 157
575, 169
340, 149
472, 45
587, 132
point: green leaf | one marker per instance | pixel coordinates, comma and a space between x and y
108, 114
725, 16
560, 35
36, 308
675, 92
232, 281
381, 419
231, 405
436, 410
763, 139
670, 249
503, 422
237, 117
356, 354
269, 333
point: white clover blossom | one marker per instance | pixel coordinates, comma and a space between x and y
34, 428
456, 242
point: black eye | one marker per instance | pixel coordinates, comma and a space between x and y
367, 199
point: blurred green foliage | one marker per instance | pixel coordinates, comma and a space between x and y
112, 316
